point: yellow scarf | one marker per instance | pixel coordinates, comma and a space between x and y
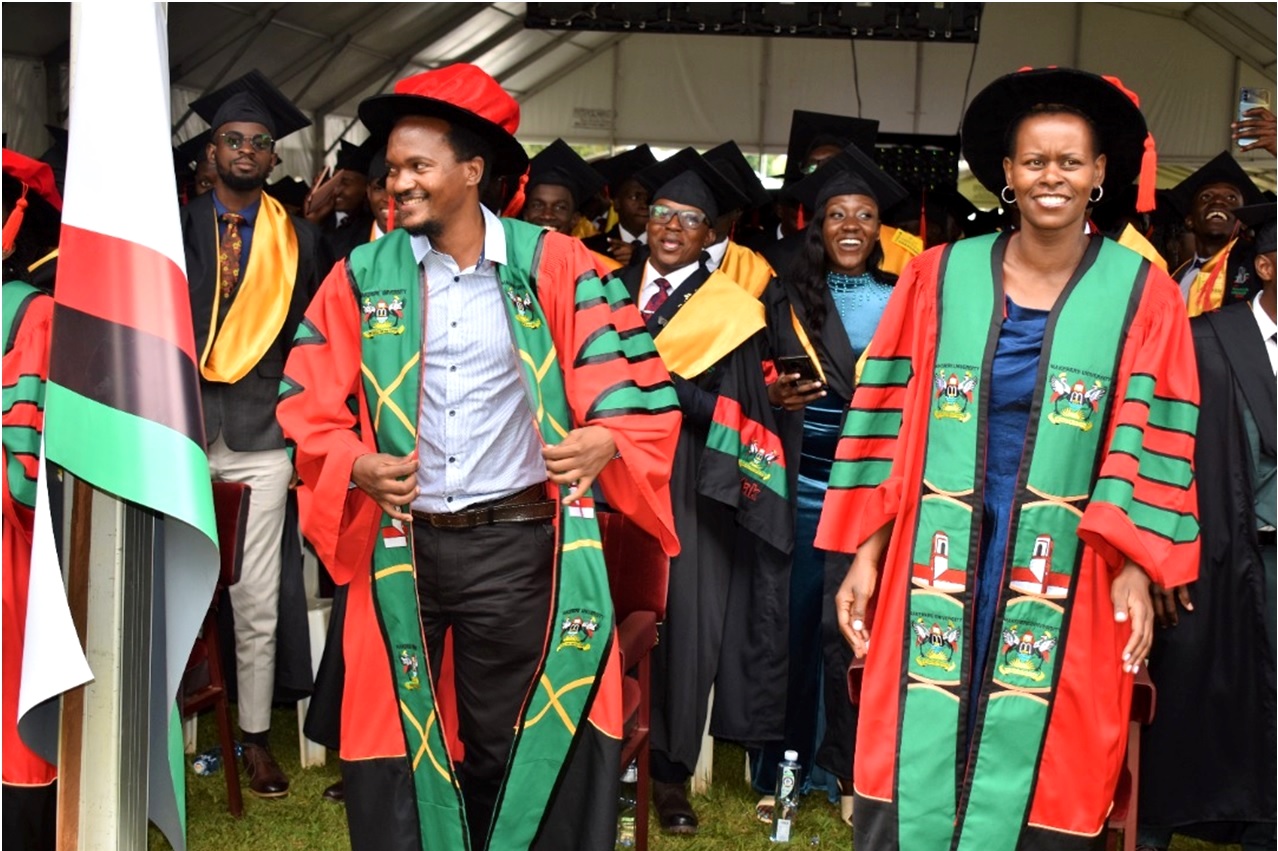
719, 317
1136, 241
747, 268
899, 247
260, 303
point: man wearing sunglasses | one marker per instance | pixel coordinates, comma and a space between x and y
252, 269
707, 330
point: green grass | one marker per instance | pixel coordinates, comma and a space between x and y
304, 820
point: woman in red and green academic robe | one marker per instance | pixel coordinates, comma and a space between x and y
1015, 468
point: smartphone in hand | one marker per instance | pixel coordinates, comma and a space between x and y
801, 365
1250, 98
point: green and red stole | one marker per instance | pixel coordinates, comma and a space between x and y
580, 634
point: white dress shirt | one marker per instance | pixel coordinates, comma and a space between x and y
716, 252
476, 439
675, 279
1268, 330
628, 238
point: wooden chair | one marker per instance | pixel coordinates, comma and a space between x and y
1123, 818
638, 571
203, 690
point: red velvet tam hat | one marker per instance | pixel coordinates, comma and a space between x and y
458, 94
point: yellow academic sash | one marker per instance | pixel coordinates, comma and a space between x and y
1207, 292
719, 317
1135, 240
747, 268
899, 247
806, 343
261, 300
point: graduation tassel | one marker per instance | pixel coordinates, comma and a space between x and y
517, 200
14, 223
1145, 184
390, 214
798, 219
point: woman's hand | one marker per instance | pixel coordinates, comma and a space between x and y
793, 394
1130, 596
1165, 600
852, 601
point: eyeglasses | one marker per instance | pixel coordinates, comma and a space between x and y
689, 219
259, 141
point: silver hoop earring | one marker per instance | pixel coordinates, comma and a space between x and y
1003, 196
1099, 192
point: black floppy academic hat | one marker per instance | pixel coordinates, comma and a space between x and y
729, 160
559, 165
616, 170
1222, 168
289, 190
851, 172
251, 98
810, 130
1120, 126
687, 178
189, 153
1261, 219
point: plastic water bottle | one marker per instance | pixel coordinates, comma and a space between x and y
626, 807
787, 796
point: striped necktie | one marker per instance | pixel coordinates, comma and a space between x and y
657, 299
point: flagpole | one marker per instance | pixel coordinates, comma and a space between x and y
71, 737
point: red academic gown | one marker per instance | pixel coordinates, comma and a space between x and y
1086, 734
331, 425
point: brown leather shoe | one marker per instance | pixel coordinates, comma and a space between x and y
673, 810
336, 793
266, 780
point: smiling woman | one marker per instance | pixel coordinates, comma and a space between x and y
990, 481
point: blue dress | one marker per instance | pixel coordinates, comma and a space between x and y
1011, 386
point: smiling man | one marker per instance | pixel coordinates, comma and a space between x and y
1221, 270
252, 269
446, 459
707, 330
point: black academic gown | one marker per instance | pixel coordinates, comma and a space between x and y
244, 413
710, 596
1208, 759
356, 230
599, 244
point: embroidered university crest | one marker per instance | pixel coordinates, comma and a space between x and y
1024, 654
1074, 404
757, 462
936, 645
523, 308
953, 395
382, 313
577, 629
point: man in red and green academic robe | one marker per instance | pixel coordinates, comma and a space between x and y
1026, 754
455, 391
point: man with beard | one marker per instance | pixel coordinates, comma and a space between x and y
1222, 268
252, 269
446, 459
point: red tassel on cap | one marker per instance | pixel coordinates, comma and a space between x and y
1145, 184
14, 223
798, 219
517, 200
390, 214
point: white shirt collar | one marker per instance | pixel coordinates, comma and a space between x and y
378, 233
628, 237
716, 252
1267, 326
494, 241
675, 278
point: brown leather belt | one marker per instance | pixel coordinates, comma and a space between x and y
526, 506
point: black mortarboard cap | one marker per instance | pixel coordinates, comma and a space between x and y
289, 190
729, 160
851, 172
352, 157
377, 165
559, 165
1261, 219
187, 154
811, 130
1222, 168
665, 177
616, 170
964, 212
251, 98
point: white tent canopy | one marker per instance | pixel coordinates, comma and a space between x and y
1186, 60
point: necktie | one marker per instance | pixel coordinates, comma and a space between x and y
657, 299
228, 255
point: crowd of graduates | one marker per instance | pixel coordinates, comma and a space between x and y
826, 341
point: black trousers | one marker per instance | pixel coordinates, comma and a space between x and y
491, 586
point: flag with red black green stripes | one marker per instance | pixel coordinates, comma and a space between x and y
744, 464
122, 408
